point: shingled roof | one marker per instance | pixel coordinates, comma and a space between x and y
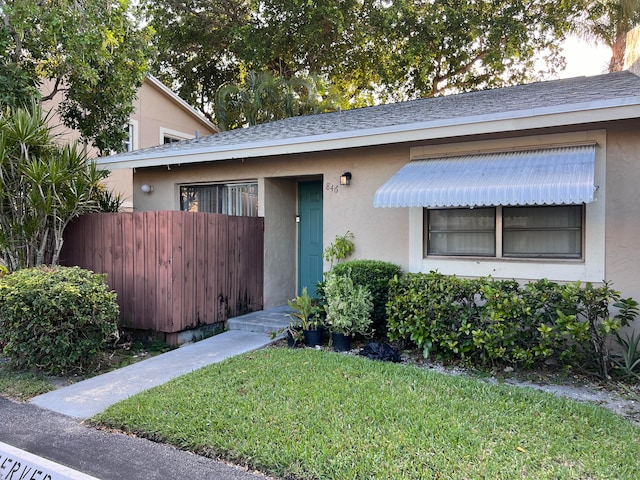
593, 98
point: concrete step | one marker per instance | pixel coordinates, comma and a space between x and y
263, 321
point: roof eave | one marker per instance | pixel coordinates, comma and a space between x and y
577, 114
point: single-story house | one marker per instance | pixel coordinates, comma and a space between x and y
531, 181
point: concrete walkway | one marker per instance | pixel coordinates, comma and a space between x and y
47, 439
89, 397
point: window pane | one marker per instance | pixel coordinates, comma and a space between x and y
552, 232
462, 243
231, 199
128, 141
200, 198
461, 231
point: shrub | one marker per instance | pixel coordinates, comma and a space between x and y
488, 321
55, 320
374, 275
436, 312
591, 304
348, 306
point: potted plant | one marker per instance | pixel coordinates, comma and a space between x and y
295, 335
303, 313
340, 249
348, 310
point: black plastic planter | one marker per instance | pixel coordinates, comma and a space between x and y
313, 338
341, 342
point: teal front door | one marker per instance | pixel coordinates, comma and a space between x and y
309, 235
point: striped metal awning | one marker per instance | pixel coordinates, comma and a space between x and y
554, 176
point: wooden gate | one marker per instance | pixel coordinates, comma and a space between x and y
172, 270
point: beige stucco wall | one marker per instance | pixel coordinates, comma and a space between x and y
120, 181
379, 233
623, 209
632, 51
279, 199
156, 112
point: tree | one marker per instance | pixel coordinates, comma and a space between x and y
88, 49
43, 186
609, 21
332, 39
196, 41
262, 97
203, 45
368, 50
446, 46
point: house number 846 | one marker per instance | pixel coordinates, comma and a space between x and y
331, 187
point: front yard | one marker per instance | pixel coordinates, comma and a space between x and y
315, 414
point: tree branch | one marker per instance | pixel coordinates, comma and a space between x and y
17, 54
56, 89
458, 71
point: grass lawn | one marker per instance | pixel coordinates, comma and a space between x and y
314, 414
22, 385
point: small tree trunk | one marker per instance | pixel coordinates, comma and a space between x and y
41, 249
616, 64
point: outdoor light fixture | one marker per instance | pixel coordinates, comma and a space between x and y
146, 188
345, 178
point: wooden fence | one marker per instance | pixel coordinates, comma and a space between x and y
172, 270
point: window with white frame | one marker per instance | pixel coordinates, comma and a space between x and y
130, 137
168, 135
506, 232
238, 199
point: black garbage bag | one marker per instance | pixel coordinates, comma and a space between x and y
380, 351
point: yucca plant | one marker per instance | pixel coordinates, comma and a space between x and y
43, 186
627, 361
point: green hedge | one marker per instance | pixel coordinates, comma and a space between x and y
487, 321
55, 320
375, 276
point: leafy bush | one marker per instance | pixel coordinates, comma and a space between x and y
55, 320
348, 306
591, 304
434, 311
488, 321
374, 275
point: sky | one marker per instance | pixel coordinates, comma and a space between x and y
584, 58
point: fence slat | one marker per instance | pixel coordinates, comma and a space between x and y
163, 276
200, 269
172, 270
151, 268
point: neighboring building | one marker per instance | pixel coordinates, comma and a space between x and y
525, 182
160, 117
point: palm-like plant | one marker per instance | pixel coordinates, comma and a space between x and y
262, 97
609, 21
43, 186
